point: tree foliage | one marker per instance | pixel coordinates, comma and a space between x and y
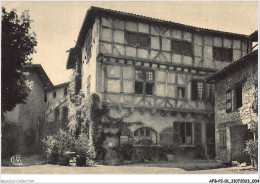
18, 43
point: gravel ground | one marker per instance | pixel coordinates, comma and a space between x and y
186, 167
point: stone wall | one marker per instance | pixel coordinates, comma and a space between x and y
60, 101
225, 120
32, 116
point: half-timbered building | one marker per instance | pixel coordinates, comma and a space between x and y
153, 71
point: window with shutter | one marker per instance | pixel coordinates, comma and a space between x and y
186, 133
238, 97
197, 90
229, 97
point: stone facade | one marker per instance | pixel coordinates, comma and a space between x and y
154, 72
57, 107
23, 128
232, 123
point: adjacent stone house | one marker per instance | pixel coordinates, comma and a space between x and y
23, 128
153, 71
233, 97
57, 107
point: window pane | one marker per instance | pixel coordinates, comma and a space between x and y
139, 74
181, 92
143, 40
138, 87
147, 132
200, 90
187, 48
136, 133
188, 133
154, 137
149, 88
229, 100
131, 38
149, 75
177, 47
142, 132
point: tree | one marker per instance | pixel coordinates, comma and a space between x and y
18, 43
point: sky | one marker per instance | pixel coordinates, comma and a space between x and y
57, 24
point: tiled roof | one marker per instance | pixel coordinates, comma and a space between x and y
221, 73
61, 85
97, 11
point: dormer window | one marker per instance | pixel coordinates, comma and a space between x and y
222, 54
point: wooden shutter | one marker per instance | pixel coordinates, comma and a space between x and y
198, 133
176, 133
194, 91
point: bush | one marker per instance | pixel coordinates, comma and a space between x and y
252, 149
84, 150
126, 150
57, 145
